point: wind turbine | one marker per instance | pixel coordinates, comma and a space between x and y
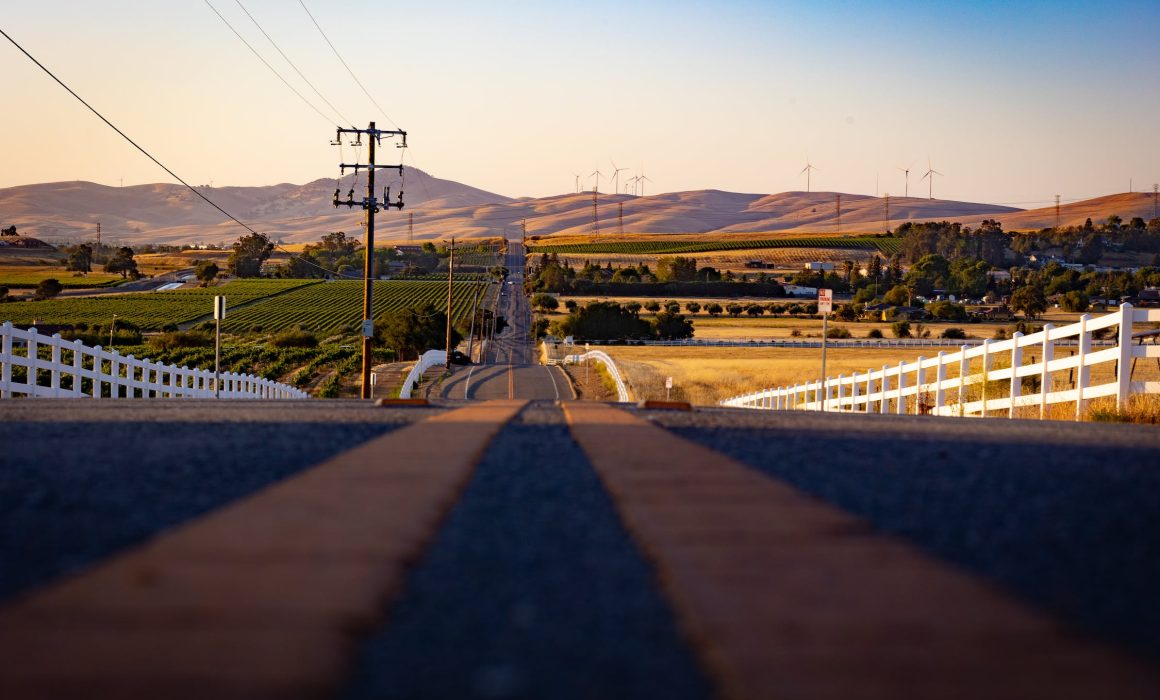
597, 173
642, 178
577, 180
930, 172
615, 177
807, 171
906, 190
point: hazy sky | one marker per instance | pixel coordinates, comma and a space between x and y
1013, 101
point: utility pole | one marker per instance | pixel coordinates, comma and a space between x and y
1155, 193
410, 227
1057, 212
371, 206
838, 196
595, 215
450, 281
887, 204
621, 218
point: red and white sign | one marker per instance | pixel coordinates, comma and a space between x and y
825, 301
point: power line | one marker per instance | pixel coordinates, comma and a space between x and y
287, 58
344, 65
266, 63
159, 164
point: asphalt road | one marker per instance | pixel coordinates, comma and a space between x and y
509, 368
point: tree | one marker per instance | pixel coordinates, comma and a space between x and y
47, 289
755, 310
633, 307
1029, 300
249, 254
671, 326
206, 271
676, 269
692, 307
734, 309
947, 311
897, 296
604, 320
80, 259
1074, 301
123, 263
652, 306
900, 329
713, 308
570, 305
411, 332
545, 302
3, 294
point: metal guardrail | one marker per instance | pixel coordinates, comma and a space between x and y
72, 362
905, 388
609, 364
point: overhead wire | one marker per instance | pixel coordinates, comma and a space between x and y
267, 63
292, 64
161, 165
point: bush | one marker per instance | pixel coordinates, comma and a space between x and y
838, 333
294, 339
180, 339
900, 329
953, 334
256, 328
874, 333
713, 308
692, 307
652, 306
169, 328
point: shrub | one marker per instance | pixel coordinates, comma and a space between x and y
900, 329
652, 307
838, 333
874, 333
180, 339
294, 339
692, 307
169, 328
713, 308
953, 334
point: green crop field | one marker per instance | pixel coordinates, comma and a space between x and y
888, 246
29, 277
146, 310
337, 306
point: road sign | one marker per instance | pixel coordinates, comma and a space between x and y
368, 328
219, 308
668, 382
825, 301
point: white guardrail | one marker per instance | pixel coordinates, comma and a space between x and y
426, 361
905, 388
609, 364
70, 363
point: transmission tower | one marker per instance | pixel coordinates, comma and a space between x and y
887, 205
838, 207
620, 215
595, 215
1057, 212
371, 206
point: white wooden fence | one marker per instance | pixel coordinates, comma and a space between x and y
979, 388
609, 364
426, 361
111, 374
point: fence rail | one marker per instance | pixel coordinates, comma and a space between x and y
426, 361
609, 364
978, 387
73, 369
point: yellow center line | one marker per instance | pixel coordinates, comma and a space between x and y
785, 596
263, 597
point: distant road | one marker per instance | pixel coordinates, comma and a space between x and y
509, 368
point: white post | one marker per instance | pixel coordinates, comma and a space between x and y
1124, 364
841, 392
919, 385
883, 405
32, 356
1083, 372
78, 366
900, 404
854, 392
940, 377
1016, 363
869, 388
964, 368
54, 372
6, 360
1045, 379
986, 373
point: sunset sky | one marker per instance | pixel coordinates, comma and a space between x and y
1013, 102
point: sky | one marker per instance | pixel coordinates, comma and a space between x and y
1013, 102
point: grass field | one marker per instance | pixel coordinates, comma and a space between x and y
684, 245
27, 277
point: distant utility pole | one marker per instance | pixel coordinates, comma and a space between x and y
1057, 212
410, 227
838, 205
450, 282
595, 215
98, 234
1155, 193
620, 215
371, 206
887, 203
523, 229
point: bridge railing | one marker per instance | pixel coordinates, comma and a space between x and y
609, 364
979, 387
73, 369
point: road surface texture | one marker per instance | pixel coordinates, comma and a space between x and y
543, 549
509, 369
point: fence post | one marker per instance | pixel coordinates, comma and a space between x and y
986, 373
5, 360
841, 392
900, 404
54, 369
854, 392
964, 368
78, 366
1124, 364
884, 404
1045, 380
869, 387
940, 374
1016, 363
33, 357
919, 385
1083, 372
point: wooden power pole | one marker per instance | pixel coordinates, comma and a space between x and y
450, 282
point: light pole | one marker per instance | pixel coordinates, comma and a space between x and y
112, 328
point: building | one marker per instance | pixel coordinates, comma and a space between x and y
819, 266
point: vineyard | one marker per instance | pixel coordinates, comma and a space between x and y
337, 306
147, 310
887, 246
28, 278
